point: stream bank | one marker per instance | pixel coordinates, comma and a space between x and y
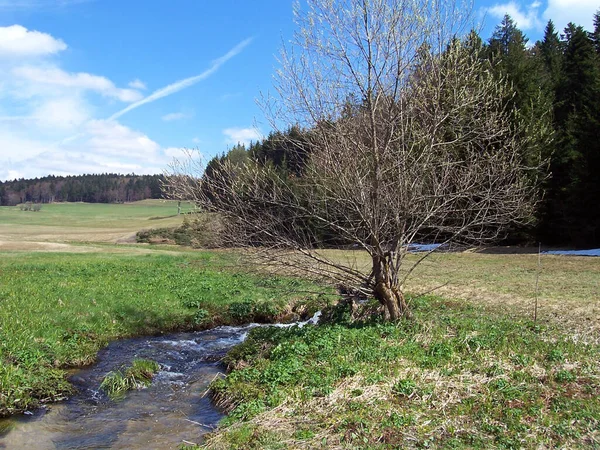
171, 411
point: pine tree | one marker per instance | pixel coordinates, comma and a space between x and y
513, 61
595, 35
550, 51
578, 122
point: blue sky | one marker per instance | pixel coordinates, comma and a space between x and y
93, 86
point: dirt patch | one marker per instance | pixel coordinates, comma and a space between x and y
32, 246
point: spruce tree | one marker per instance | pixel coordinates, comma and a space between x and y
595, 36
549, 50
508, 52
578, 122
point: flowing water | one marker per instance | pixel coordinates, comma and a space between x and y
171, 411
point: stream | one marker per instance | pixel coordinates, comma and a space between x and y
171, 411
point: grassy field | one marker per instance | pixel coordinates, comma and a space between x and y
568, 289
58, 309
470, 371
82, 222
457, 376
66, 290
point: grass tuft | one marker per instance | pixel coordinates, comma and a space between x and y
139, 375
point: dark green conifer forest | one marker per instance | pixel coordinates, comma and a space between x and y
103, 188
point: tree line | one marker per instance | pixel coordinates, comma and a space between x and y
555, 95
102, 188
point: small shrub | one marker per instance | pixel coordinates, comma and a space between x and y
555, 355
303, 434
30, 206
241, 311
265, 311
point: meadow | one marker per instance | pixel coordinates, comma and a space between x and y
59, 307
456, 376
58, 224
471, 370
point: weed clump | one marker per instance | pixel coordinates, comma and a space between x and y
139, 375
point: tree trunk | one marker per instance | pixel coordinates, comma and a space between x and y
387, 292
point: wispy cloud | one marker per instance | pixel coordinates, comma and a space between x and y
137, 84
173, 116
241, 135
81, 80
185, 83
229, 96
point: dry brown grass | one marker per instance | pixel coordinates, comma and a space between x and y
84, 222
569, 286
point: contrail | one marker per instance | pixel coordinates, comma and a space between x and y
187, 82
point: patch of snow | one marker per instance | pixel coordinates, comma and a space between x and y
591, 252
413, 248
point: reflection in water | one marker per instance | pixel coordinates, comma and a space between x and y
172, 410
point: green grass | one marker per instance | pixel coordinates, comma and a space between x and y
87, 222
91, 214
58, 309
116, 384
457, 376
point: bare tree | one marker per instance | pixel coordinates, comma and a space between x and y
409, 142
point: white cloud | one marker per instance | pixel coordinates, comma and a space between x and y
16, 147
526, 17
580, 12
529, 16
187, 82
173, 116
137, 84
241, 135
17, 40
179, 153
62, 113
48, 116
102, 146
13, 175
58, 77
108, 137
